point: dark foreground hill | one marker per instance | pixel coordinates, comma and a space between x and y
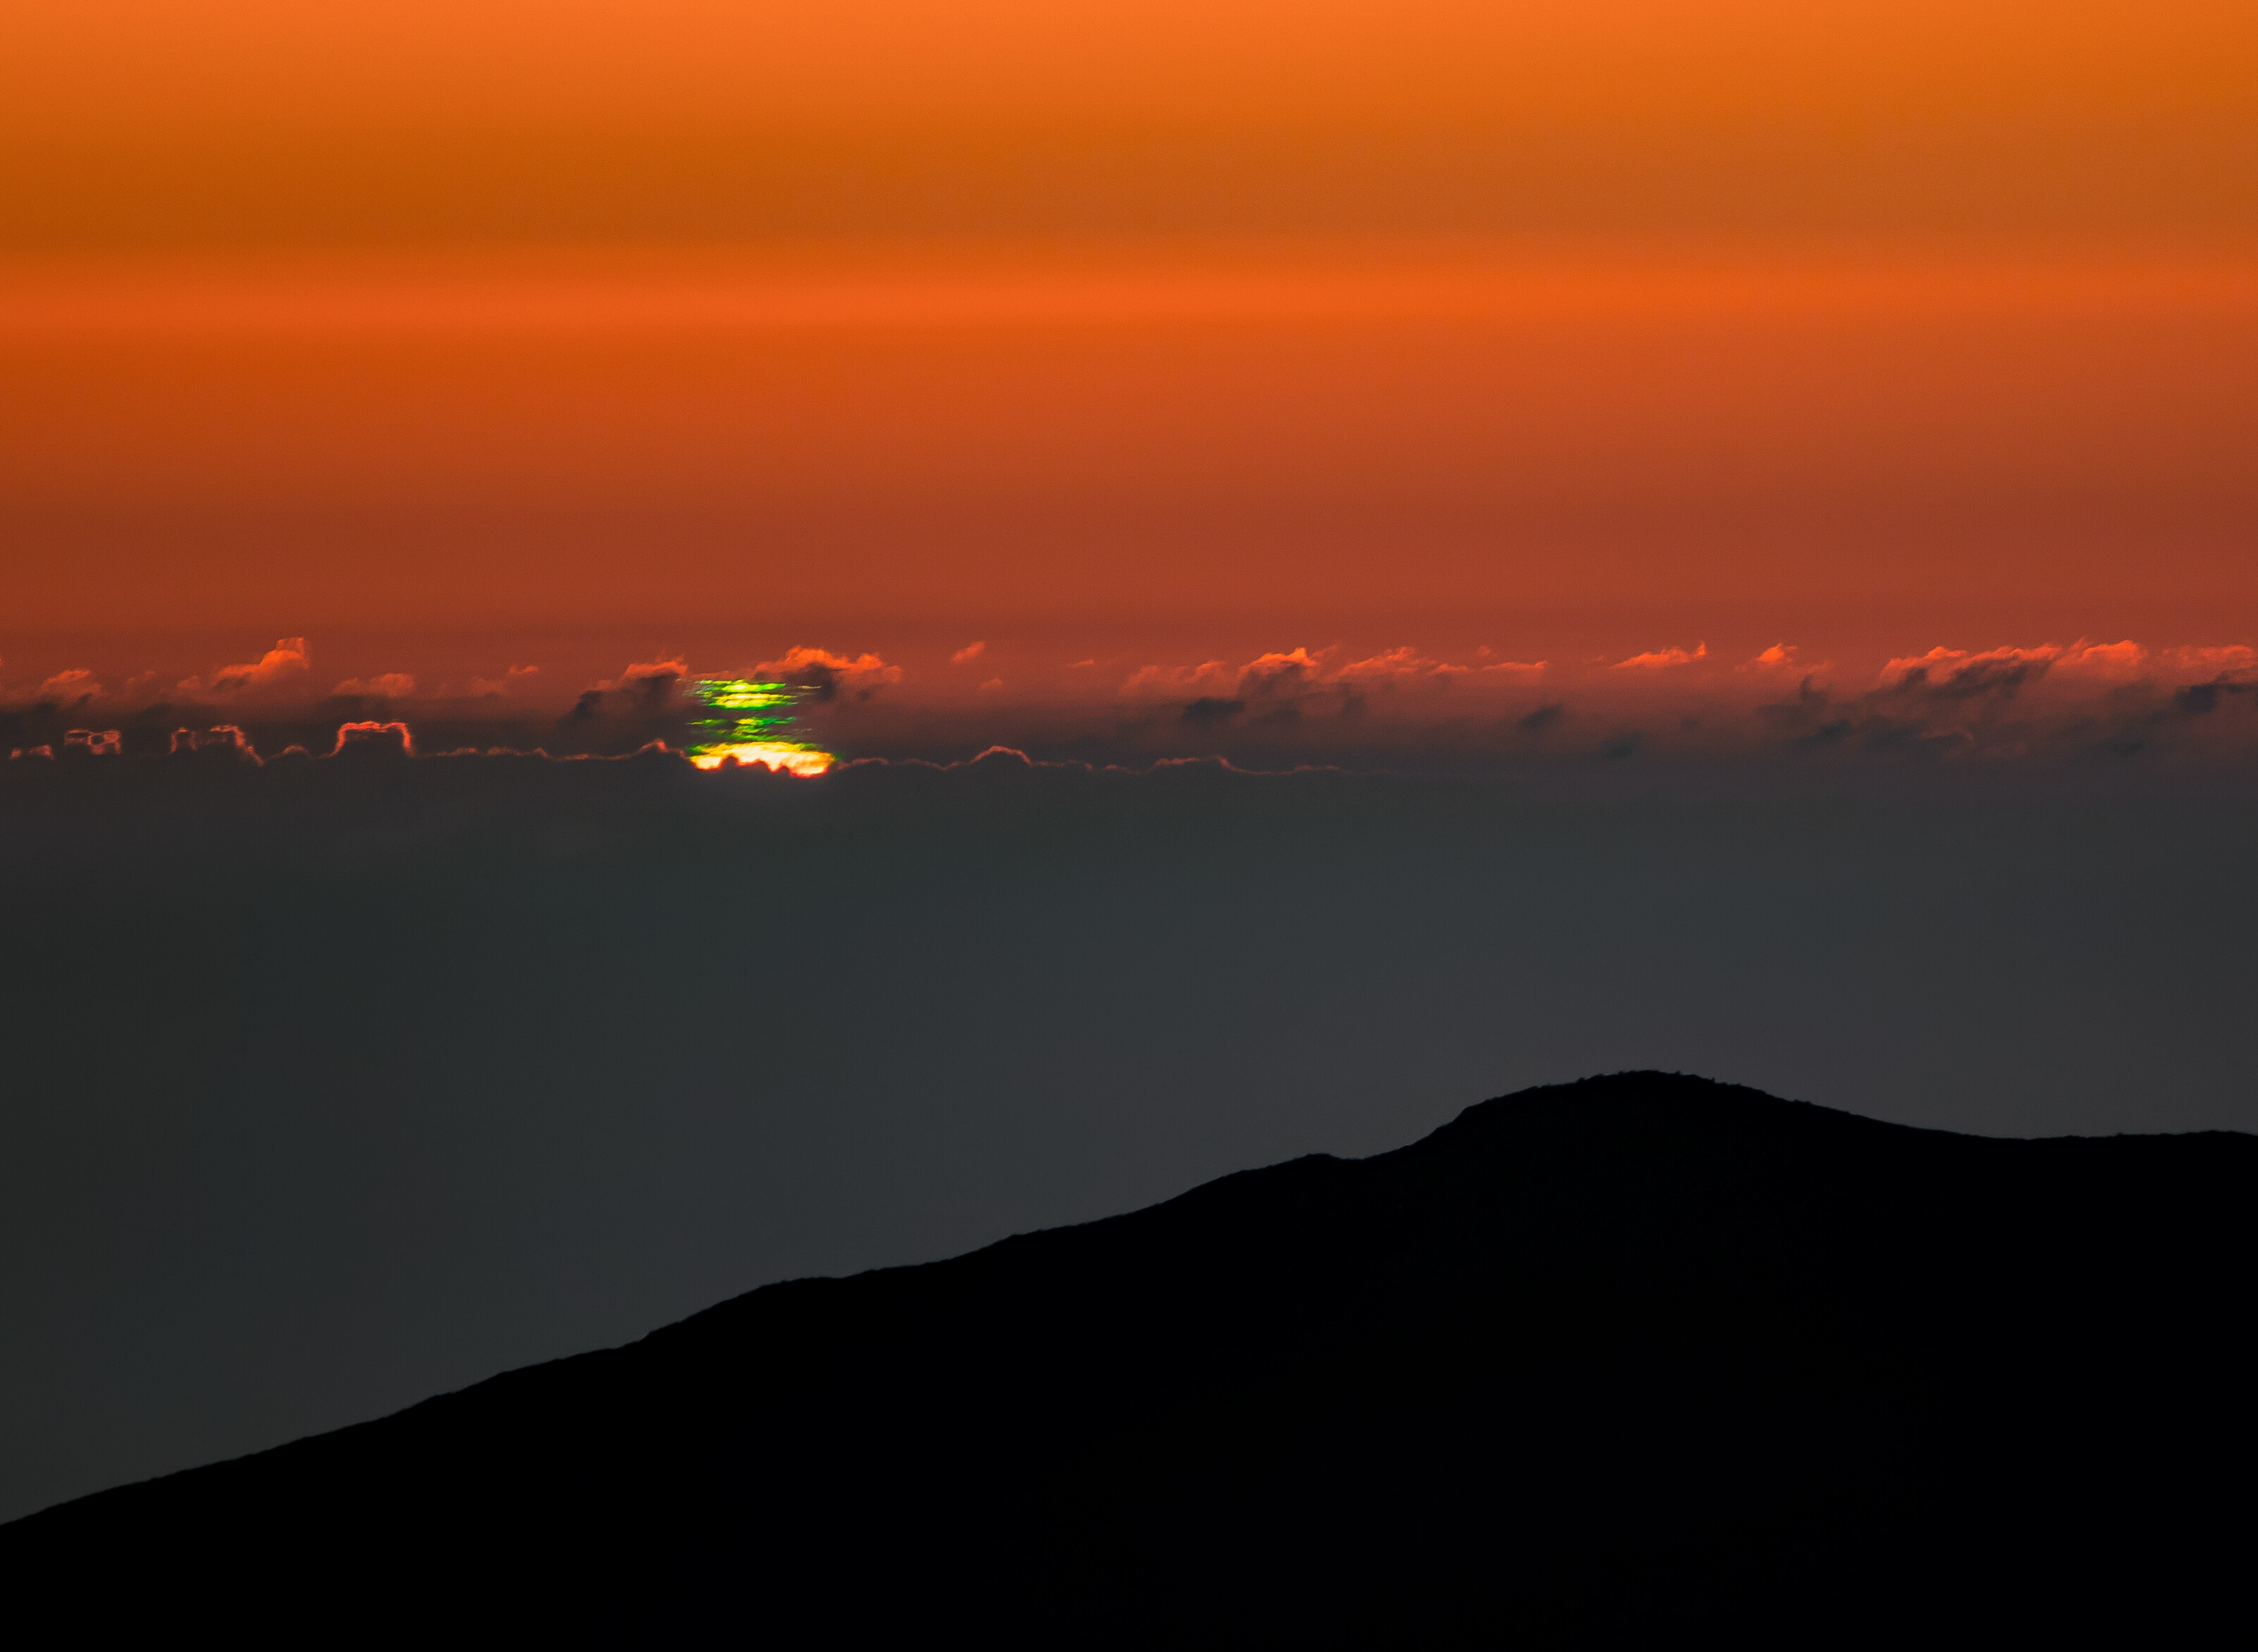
1616, 1354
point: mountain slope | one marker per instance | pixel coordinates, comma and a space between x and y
1641, 1348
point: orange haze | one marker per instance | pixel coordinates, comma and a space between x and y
370, 120
1605, 325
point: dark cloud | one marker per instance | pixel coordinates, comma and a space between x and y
819, 679
1998, 679
1207, 711
223, 743
2202, 699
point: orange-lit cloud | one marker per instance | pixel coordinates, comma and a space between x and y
77, 685
1784, 659
1282, 674
1952, 660
375, 737
2119, 658
825, 673
1403, 665
1211, 677
284, 663
969, 652
643, 676
1662, 659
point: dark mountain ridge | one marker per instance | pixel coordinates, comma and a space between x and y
1639, 1349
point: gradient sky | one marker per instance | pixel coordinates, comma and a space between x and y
1218, 327
154, 120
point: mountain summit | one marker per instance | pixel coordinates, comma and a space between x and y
1632, 1352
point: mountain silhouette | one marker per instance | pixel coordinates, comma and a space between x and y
1631, 1353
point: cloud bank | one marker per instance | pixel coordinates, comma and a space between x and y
1402, 708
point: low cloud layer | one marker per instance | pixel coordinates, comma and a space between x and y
1402, 708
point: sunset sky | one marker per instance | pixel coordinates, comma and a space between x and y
1171, 331
1498, 540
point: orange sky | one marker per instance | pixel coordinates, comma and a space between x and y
1929, 321
140, 120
